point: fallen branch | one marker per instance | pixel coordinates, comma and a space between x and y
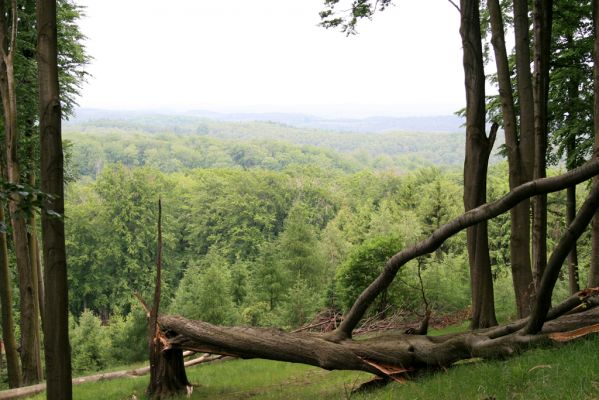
389, 349
26, 391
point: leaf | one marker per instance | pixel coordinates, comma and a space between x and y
539, 366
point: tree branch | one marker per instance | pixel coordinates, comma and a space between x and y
561, 251
455, 5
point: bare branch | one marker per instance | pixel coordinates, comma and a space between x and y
143, 304
455, 5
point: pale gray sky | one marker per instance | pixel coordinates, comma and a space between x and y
270, 55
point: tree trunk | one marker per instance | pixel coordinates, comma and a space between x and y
383, 355
594, 270
573, 255
478, 149
8, 327
167, 369
520, 168
29, 305
56, 334
543, 19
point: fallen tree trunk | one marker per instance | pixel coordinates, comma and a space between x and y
381, 355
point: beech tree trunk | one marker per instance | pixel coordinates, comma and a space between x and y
28, 289
478, 149
594, 270
543, 19
519, 153
573, 278
384, 355
8, 326
56, 334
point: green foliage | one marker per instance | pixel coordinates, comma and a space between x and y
302, 303
128, 337
205, 292
362, 266
89, 343
297, 248
447, 283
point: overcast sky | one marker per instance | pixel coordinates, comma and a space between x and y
270, 55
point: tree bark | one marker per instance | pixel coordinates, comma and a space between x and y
594, 270
29, 304
8, 326
542, 22
470, 218
478, 149
519, 162
573, 283
56, 335
386, 354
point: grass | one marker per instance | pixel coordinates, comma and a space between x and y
570, 371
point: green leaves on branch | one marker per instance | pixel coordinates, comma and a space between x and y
357, 10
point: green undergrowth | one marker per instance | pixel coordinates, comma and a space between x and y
570, 371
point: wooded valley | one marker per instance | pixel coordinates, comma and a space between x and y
138, 236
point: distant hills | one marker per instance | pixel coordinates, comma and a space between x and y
442, 123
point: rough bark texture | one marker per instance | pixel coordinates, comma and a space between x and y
29, 303
594, 270
56, 335
543, 19
8, 325
478, 149
374, 355
470, 218
519, 152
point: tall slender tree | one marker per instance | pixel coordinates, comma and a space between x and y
478, 149
56, 335
28, 282
594, 271
519, 139
542, 23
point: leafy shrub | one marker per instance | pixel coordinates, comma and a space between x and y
362, 266
89, 343
128, 337
205, 293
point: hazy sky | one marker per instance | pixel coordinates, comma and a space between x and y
270, 55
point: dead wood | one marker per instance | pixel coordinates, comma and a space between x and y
375, 354
27, 391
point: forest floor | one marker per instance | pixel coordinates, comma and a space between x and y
570, 371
